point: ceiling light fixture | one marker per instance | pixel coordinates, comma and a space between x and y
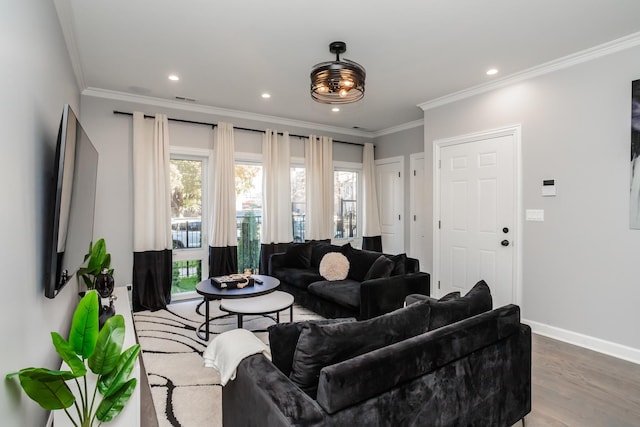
335, 109
174, 78
339, 81
492, 71
266, 95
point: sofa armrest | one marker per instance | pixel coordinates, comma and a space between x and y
379, 296
277, 260
261, 395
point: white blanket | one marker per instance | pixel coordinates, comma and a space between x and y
228, 349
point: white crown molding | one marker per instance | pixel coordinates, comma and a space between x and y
590, 54
65, 13
619, 351
399, 128
206, 109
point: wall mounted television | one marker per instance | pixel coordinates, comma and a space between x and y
73, 194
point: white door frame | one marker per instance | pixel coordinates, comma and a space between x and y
515, 131
414, 199
401, 212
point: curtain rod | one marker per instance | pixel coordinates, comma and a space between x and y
235, 127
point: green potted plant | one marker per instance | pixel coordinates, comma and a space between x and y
98, 260
102, 353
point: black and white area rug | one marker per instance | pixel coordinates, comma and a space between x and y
185, 393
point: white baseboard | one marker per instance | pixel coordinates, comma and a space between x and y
596, 344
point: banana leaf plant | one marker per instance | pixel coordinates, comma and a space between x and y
98, 350
99, 259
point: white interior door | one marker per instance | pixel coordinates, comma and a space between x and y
478, 226
417, 223
390, 187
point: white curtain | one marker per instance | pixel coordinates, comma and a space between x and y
371, 217
151, 189
222, 230
318, 160
276, 207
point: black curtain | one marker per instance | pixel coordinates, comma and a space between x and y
151, 279
223, 260
266, 250
373, 243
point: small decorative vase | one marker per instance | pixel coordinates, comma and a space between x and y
104, 284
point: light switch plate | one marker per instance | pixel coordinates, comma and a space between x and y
534, 215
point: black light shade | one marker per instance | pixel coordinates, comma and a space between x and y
339, 81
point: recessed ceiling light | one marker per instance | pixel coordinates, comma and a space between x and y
335, 109
174, 78
266, 95
492, 71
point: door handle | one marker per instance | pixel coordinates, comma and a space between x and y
505, 243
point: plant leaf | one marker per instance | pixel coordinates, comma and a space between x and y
64, 349
112, 405
107, 353
97, 256
110, 383
47, 388
84, 326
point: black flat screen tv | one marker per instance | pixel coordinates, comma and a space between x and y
73, 198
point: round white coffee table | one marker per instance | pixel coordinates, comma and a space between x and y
262, 305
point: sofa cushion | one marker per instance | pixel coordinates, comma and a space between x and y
319, 249
343, 292
325, 345
360, 261
399, 264
334, 266
381, 267
299, 255
283, 338
476, 301
298, 277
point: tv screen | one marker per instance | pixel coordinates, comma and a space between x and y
73, 203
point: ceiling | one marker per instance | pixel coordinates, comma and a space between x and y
228, 52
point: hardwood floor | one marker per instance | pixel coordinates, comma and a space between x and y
572, 386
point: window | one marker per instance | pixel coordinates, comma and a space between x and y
248, 214
190, 248
298, 202
346, 199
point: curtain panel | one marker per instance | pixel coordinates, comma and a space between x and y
318, 161
223, 243
152, 242
371, 231
276, 195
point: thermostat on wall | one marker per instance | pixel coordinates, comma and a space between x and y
549, 187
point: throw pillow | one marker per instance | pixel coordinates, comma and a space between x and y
334, 266
324, 345
381, 267
360, 261
298, 255
399, 264
450, 296
476, 301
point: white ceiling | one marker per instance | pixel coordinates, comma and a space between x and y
227, 52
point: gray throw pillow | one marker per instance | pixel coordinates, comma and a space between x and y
381, 267
324, 345
476, 301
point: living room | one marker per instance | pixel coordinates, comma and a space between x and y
578, 275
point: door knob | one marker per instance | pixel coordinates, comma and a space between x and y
505, 230
505, 243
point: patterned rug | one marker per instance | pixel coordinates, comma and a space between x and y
184, 392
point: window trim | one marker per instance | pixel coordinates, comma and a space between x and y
342, 166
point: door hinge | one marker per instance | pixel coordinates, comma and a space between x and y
438, 284
439, 224
398, 174
414, 172
439, 164
398, 217
414, 217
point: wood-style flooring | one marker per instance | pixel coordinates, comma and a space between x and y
571, 386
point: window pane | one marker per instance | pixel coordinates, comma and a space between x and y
186, 203
248, 215
298, 203
185, 275
345, 204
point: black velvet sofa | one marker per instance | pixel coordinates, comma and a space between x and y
361, 295
411, 367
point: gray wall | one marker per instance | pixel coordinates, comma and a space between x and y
37, 80
112, 136
580, 264
403, 143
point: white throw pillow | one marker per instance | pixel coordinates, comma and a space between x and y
334, 266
